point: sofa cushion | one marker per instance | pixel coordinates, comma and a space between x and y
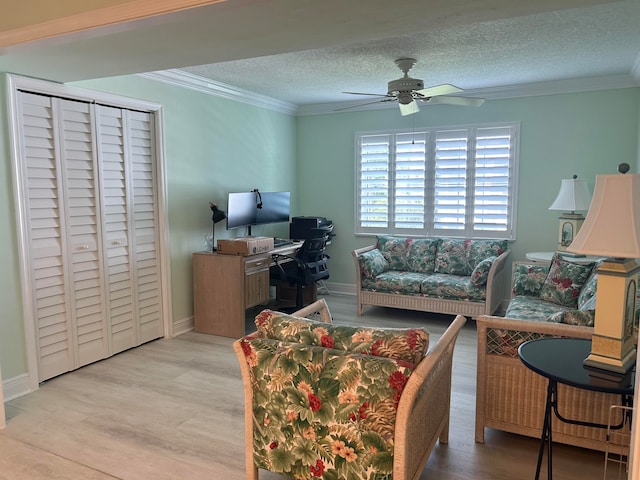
452, 287
322, 413
480, 273
453, 257
421, 256
395, 250
480, 250
403, 283
564, 282
524, 307
372, 263
409, 345
529, 278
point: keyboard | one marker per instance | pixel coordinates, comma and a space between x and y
281, 242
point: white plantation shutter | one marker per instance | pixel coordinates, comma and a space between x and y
374, 182
448, 182
409, 181
493, 173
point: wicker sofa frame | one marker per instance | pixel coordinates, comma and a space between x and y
495, 294
510, 397
423, 411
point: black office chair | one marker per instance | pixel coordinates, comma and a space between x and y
308, 266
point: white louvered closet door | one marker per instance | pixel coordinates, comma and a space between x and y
127, 165
90, 219
64, 233
141, 138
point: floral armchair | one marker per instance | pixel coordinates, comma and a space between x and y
333, 402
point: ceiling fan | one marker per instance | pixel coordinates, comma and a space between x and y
408, 91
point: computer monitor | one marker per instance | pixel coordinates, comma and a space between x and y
245, 209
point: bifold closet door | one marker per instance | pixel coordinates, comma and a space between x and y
127, 168
63, 225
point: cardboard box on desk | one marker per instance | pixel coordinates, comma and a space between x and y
245, 245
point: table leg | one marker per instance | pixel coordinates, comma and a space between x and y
546, 437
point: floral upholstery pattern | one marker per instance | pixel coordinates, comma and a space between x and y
449, 268
395, 250
480, 273
528, 279
452, 256
323, 413
525, 307
422, 255
372, 263
585, 317
480, 250
587, 297
453, 287
407, 345
564, 282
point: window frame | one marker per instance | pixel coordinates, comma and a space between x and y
429, 186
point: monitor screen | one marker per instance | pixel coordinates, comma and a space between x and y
275, 208
243, 211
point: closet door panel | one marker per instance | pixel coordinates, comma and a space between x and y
79, 167
145, 225
116, 230
44, 217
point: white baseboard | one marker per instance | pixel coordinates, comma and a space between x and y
16, 387
183, 326
339, 288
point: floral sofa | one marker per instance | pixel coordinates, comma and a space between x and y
442, 275
548, 300
329, 401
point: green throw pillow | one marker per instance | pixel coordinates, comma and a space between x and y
480, 274
372, 263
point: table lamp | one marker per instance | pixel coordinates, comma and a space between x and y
216, 216
573, 195
612, 230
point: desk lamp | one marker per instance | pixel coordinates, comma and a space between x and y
573, 195
217, 216
612, 230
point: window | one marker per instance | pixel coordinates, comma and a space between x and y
455, 182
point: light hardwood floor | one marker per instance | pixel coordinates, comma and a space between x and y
173, 409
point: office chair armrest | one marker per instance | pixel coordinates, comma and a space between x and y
276, 259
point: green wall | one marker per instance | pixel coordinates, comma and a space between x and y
214, 145
560, 135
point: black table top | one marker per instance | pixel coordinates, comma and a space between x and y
561, 360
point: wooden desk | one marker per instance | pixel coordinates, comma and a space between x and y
224, 286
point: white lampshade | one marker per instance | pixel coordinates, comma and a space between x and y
573, 195
612, 226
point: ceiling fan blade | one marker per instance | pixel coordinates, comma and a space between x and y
444, 89
462, 101
363, 104
409, 108
373, 94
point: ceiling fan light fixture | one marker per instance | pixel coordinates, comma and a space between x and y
409, 108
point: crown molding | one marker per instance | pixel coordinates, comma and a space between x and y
194, 82
204, 85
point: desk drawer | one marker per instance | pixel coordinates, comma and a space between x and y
257, 264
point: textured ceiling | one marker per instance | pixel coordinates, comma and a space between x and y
600, 40
307, 52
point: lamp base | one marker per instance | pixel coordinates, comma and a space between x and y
618, 365
570, 224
